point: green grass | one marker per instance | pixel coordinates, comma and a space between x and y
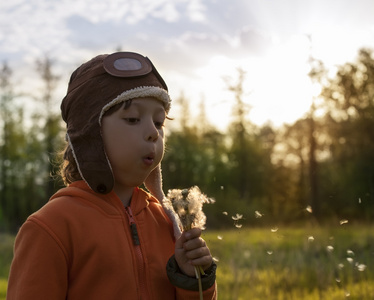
285, 263
6, 254
289, 263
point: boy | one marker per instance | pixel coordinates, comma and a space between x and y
102, 237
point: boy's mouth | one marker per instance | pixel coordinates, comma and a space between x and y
149, 158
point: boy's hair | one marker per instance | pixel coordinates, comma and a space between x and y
68, 169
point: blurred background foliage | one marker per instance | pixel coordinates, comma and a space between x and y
321, 166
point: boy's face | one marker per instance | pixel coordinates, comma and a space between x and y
134, 141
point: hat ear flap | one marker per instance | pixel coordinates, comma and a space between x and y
153, 183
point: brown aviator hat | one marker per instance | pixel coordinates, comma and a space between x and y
94, 87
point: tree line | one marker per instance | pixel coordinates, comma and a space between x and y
319, 168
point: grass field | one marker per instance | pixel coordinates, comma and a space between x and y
280, 263
290, 263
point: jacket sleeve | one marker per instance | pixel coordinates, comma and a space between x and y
187, 287
39, 267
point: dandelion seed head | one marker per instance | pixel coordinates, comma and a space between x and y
188, 204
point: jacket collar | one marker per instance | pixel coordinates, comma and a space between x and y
110, 202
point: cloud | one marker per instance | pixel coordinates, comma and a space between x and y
196, 11
38, 25
186, 39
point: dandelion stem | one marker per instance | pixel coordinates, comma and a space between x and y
198, 276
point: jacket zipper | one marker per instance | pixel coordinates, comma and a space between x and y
138, 254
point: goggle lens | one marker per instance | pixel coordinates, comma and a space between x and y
127, 64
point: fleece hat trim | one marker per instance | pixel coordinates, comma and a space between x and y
139, 92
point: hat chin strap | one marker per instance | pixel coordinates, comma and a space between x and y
153, 183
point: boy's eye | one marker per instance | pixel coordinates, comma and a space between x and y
132, 121
159, 125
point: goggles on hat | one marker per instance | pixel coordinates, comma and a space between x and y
123, 64
127, 64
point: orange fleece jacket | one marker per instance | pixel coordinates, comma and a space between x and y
80, 246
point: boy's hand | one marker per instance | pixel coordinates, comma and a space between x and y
190, 251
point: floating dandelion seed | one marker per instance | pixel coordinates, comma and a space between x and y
310, 238
216, 259
350, 260
337, 280
350, 253
225, 213
222, 187
361, 267
219, 237
269, 252
275, 229
309, 209
258, 214
330, 248
247, 254
347, 294
237, 217
359, 200
342, 222
340, 266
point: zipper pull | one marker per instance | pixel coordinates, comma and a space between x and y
133, 229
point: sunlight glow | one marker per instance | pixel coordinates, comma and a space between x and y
276, 85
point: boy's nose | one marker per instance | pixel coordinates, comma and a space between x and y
152, 134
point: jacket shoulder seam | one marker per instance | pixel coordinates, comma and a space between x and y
51, 233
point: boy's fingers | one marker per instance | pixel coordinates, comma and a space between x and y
194, 244
192, 233
205, 262
187, 236
198, 253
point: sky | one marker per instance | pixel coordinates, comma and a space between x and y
197, 46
